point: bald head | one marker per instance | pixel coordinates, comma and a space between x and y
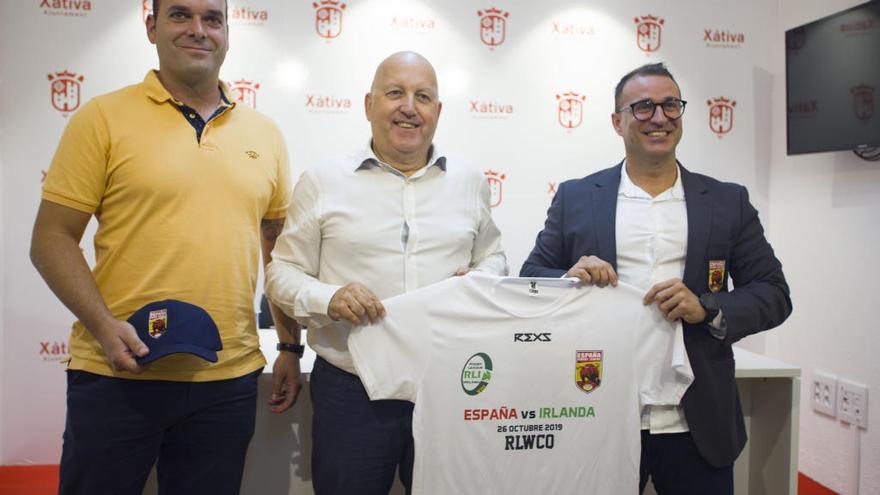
403, 108
408, 61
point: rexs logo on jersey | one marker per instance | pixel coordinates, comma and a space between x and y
496, 186
493, 26
531, 337
863, 102
570, 109
328, 18
588, 370
245, 92
721, 115
648, 31
65, 91
476, 373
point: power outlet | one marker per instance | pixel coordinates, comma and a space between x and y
852, 403
824, 394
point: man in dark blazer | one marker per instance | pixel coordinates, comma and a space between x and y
680, 236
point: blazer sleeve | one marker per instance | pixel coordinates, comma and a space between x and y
549, 257
760, 299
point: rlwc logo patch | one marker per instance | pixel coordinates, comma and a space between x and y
65, 87
496, 187
721, 115
476, 373
158, 323
493, 26
863, 102
570, 109
588, 370
245, 92
328, 18
649, 29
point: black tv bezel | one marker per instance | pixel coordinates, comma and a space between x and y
788, 152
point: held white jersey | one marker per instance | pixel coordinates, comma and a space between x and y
523, 386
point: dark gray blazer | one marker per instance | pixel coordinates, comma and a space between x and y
722, 225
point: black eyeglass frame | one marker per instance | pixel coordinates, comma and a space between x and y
654, 105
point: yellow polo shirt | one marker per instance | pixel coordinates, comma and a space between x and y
177, 218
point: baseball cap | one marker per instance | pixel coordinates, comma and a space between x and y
172, 326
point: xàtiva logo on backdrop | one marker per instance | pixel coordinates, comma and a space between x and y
649, 29
67, 8
496, 186
245, 92
328, 18
493, 26
721, 115
65, 88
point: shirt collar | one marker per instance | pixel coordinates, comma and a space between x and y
368, 159
157, 92
630, 190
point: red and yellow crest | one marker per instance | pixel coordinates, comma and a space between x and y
716, 275
588, 370
158, 323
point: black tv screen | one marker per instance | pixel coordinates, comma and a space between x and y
833, 82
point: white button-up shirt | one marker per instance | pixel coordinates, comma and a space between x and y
651, 238
361, 220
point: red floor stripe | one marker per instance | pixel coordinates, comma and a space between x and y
807, 486
43, 480
28, 480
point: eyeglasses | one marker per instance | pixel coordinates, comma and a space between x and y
644, 110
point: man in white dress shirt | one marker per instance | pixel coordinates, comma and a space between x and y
396, 216
679, 236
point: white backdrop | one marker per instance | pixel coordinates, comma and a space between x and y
527, 90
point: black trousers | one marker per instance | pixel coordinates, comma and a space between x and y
117, 429
675, 467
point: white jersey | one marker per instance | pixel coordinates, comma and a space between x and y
523, 386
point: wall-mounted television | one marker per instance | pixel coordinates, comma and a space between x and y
833, 82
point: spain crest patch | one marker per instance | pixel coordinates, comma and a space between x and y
716, 274
588, 370
157, 323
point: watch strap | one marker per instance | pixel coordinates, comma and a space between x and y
297, 349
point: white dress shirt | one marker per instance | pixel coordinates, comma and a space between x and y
651, 238
360, 220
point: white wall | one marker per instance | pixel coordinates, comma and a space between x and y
824, 216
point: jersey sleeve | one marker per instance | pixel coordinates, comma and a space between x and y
663, 368
77, 177
390, 356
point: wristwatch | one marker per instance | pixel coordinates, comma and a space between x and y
709, 302
297, 349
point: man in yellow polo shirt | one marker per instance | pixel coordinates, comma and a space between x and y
188, 189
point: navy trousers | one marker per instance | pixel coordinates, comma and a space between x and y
357, 444
117, 429
675, 467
